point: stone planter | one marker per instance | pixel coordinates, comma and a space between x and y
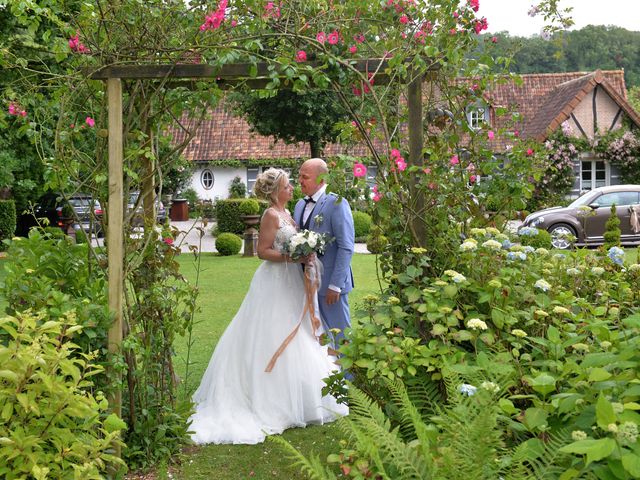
250, 235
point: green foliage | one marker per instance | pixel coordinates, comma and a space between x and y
542, 239
228, 244
228, 214
81, 236
191, 196
7, 219
48, 272
51, 425
237, 188
361, 224
376, 241
249, 206
162, 304
612, 231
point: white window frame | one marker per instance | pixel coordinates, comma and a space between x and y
203, 174
584, 187
253, 172
475, 118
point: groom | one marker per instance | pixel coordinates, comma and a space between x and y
324, 213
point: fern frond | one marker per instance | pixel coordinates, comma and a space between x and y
540, 461
312, 466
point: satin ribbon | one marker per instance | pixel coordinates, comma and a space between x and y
311, 285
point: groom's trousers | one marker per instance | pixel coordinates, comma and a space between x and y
335, 316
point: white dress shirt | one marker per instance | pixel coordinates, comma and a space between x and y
308, 208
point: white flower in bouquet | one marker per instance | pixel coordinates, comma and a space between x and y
306, 242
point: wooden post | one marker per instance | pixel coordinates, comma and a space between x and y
416, 141
115, 237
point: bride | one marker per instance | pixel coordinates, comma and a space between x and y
238, 401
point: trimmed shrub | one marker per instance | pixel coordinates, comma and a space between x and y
52, 425
361, 224
81, 236
228, 215
237, 189
541, 240
249, 207
191, 196
612, 230
7, 220
228, 244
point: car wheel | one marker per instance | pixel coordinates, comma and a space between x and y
559, 233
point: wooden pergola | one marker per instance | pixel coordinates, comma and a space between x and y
227, 76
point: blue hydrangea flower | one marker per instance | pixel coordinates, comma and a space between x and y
516, 256
616, 254
506, 244
528, 232
467, 389
529, 249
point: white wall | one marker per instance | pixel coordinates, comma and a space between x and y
222, 179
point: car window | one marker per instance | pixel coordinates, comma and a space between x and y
619, 198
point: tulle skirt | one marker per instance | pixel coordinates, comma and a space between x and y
237, 401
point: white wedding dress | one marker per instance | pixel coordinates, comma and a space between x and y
237, 401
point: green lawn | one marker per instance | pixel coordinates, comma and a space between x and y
223, 284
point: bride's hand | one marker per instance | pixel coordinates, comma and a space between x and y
309, 259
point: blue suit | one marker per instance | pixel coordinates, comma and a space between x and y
333, 217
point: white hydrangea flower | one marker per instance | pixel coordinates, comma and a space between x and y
467, 389
560, 310
459, 278
468, 246
542, 285
578, 435
542, 251
516, 332
490, 387
597, 270
634, 267
573, 272
476, 324
492, 245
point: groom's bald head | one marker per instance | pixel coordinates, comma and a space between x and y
310, 176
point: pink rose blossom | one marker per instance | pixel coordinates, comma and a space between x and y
301, 56
454, 160
456, 14
358, 37
334, 37
472, 179
168, 240
491, 135
234, 23
404, 19
12, 109
90, 121
395, 153
23, 113
353, 49
427, 171
356, 91
359, 170
321, 37
401, 164
516, 133
494, 39
529, 151
474, 4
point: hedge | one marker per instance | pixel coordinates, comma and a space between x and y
7, 220
228, 214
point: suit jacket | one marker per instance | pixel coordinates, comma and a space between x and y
333, 217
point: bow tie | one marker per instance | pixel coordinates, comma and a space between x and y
308, 200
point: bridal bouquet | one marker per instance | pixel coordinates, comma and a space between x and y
306, 242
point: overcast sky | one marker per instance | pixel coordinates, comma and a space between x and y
511, 15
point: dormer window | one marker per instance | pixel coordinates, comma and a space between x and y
477, 114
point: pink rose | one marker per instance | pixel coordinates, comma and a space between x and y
12, 109
529, 151
494, 39
395, 153
334, 37
401, 164
359, 170
301, 56
490, 134
321, 37
90, 121
472, 179
454, 160
353, 49
404, 19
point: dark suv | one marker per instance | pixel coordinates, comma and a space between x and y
78, 211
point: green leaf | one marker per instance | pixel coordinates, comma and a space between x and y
113, 423
412, 294
604, 413
543, 383
535, 418
631, 463
598, 375
553, 334
594, 449
633, 321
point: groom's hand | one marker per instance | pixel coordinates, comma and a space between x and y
332, 297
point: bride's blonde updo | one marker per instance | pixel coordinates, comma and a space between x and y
269, 183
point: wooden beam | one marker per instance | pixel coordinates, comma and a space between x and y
416, 142
115, 231
231, 71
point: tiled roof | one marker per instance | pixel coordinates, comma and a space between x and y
543, 100
224, 136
